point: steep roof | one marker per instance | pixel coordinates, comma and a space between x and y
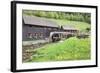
68, 27
38, 21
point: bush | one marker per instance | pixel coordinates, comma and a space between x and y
73, 16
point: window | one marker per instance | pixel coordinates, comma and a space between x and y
29, 35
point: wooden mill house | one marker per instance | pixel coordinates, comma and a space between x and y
39, 28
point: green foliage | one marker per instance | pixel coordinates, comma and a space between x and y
82, 26
72, 16
80, 21
70, 49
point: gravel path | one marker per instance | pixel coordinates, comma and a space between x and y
28, 48
34, 42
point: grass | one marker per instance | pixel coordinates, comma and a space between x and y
70, 49
77, 24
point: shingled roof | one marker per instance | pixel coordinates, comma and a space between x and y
68, 27
38, 21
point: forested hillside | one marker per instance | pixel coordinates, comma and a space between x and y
72, 16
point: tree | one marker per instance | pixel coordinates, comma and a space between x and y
73, 16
